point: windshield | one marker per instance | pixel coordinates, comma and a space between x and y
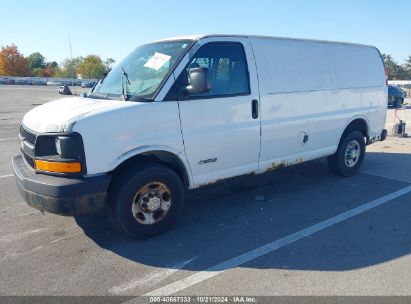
145, 70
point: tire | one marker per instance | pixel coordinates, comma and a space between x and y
349, 156
139, 195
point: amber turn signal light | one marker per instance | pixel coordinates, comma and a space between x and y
58, 167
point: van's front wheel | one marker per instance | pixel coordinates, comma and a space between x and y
349, 156
146, 200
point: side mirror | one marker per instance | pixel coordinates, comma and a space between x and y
198, 81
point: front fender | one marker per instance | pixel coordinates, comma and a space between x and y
154, 148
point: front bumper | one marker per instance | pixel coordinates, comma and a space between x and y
60, 195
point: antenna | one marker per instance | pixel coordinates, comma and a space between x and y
71, 57
71, 52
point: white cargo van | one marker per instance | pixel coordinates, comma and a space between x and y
186, 112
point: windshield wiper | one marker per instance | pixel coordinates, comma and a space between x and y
124, 75
104, 76
100, 81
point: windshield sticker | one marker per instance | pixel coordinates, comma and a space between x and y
157, 61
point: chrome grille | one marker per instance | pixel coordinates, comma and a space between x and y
27, 135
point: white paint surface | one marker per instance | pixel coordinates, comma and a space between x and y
151, 279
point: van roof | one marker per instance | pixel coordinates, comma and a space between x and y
198, 37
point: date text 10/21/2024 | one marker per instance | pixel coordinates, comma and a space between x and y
203, 299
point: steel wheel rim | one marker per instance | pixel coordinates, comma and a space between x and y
352, 154
151, 203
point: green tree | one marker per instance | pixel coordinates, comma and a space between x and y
109, 63
407, 68
58, 73
37, 72
392, 67
70, 67
51, 69
401, 73
92, 67
36, 61
52, 64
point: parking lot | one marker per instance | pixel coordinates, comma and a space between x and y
294, 231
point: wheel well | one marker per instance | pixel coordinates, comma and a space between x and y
163, 157
358, 124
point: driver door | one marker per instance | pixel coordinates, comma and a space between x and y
221, 127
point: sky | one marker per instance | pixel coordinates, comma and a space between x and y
114, 28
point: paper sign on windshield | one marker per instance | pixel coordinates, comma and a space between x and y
157, 61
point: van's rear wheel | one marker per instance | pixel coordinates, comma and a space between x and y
146, 200
349, 156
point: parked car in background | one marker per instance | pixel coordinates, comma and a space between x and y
71, 83
88, 84
395, 96
23, 82
7, 81
54, 83
38, 82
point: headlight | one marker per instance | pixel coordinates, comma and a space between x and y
58, 146
60, 153
68, 147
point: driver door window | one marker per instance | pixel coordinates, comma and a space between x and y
227, 70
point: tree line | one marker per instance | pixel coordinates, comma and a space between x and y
397, 71
14, 63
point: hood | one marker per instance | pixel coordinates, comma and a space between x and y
58, 115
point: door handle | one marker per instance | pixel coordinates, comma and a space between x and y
254, 108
